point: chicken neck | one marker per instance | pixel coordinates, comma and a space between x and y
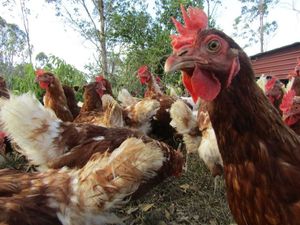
259, 153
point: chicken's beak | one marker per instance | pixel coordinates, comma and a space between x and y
183, 61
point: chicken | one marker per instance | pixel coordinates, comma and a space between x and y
185, 124
79, 196
54, 98
71, 100
274, 90
126, 98
208, 149
106, 85
4, 93
197, 135
290, 107
160, 125
261, 155
294, 82
51, 143
5, 144
146, 77
261, 82
93, 111
103, 110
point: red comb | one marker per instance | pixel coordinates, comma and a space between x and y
287, 101
39, 72
143, 69
195, 19
270, 84
99, 78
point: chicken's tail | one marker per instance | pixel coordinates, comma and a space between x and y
185, 124
32, 126
113, 176
141, 113
261, 82
126, 98
113, 112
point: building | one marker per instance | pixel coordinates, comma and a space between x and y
277, 62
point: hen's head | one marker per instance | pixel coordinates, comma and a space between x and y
144, 74
273, 89
103, 86
44, 78
208, 59
290, 107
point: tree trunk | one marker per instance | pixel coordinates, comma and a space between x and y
24, 11
208, 11
261, 26
103, 52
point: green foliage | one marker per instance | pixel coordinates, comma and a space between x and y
22, 81
67, 73
12, 44
149, 44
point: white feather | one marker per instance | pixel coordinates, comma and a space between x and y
32, 126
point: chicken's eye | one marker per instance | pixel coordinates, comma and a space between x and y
213, 45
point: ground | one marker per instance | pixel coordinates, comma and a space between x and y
190, 199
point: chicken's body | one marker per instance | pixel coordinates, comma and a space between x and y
78, 197
105, 111
71, 101
4, 93
51, 143
208, 149
197, 135
261, 155
290, 108
274, 90
99, 107
160, 125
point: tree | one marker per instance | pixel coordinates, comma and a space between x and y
93, 20
251, 12
24, 14
12, 46
212, 6
150, 43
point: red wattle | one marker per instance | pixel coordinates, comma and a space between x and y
205, 85
44, 85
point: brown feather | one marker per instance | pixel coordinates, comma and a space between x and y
71, 100
56, 100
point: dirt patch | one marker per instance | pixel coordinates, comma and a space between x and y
192, 199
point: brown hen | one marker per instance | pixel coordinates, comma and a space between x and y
55, 97
261, 155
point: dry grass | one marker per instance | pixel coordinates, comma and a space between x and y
190, 199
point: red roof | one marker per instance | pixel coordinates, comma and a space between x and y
277, 62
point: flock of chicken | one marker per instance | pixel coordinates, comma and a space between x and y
90, 160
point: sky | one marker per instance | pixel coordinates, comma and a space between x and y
50, 35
